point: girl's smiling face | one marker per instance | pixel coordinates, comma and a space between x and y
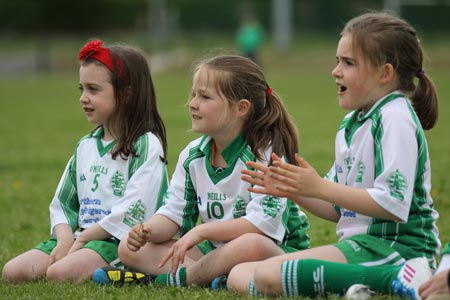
211, 113
358, 80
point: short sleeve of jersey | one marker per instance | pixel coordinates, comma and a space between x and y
266, 212
181, 201
396, 155
144, 190
64, 205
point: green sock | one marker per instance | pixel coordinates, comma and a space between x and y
178, 280
311, 277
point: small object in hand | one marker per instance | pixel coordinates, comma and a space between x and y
143, 230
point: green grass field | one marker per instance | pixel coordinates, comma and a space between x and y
41, 122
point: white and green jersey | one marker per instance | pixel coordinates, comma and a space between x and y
115, 193
196, 189
384, 151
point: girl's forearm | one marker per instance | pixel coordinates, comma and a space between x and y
354, 199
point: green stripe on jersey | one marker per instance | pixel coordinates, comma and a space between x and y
141, 148
190, 211
68, 196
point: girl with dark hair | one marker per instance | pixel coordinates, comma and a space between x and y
115, 179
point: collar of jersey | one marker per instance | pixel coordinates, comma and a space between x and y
230, 154
356, 119
102, 150
380, 103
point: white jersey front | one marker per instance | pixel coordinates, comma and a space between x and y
115, 193
384, 151
197, 189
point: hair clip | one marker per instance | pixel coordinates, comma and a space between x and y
420, 74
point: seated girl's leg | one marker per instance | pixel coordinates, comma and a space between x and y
323, 270
247, 247
147, 258
76, 267
28, 266
267, 274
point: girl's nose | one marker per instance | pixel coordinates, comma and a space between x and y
335, 72
193, 103
83, 98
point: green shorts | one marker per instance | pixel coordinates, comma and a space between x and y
206, 247
107, 249
372, 251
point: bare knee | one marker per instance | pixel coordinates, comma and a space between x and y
16, 271
57, 273
240, 276
11, 274
253, 247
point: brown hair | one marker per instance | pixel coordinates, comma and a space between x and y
268, 121
136, 109
386, 39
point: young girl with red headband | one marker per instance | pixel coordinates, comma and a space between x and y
116, 176
241, 119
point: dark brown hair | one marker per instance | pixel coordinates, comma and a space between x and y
386, 39
136, 109
268, 122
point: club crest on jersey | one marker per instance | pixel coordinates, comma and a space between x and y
239, 208
118, 184
271, 206
397, 185
135, 214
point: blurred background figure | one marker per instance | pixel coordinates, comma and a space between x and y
250, 36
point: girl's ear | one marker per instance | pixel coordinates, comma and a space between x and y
387, 73
244, 107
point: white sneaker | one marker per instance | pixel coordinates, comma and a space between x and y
359, 292
411, 276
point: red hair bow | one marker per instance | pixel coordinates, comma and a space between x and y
90, 48
95, 50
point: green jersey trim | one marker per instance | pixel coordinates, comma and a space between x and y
102, 150
230, 154
141, 148
357, 119
190, 211
68, 195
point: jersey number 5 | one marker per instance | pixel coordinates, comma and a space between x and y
95, 186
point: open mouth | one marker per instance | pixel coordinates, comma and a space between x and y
342, 88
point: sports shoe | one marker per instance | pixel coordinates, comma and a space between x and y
359, 292
412, 274
219, 283
118, 276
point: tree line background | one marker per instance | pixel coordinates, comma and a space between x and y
49, 16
